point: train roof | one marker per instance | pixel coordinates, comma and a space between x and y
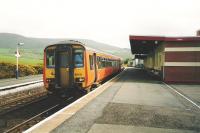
84, 45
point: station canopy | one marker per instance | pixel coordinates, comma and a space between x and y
141, 46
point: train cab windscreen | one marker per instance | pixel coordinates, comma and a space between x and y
78, 58
50, 59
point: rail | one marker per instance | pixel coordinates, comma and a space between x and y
19, 127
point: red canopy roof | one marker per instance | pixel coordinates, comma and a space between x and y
146, 44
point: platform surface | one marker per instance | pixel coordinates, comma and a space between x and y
13, 81
136, 103
192, 91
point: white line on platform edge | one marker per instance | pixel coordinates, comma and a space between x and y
16, 85
182, 95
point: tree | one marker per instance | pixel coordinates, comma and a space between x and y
126, 61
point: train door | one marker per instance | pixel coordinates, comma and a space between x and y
95, 66
63, 68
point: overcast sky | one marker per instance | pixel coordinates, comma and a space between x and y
108, 21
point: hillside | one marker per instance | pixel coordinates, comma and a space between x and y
33, 47
9, 41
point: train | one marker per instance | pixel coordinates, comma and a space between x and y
71, 65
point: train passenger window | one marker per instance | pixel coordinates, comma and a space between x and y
99, 62
103, 62
50, 59
110, 63
78, 58
106, 63
91, 62
113, 63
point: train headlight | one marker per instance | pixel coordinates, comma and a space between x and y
81, 79
49, 80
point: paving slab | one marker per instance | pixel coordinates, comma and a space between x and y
146, 94
150, 116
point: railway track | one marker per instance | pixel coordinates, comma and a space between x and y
23, 117
21, 126
20, 111
20, 119
17, 95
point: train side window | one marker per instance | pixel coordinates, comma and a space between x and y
110, 63
103, 62
50, 58
113, 63
98, 62
91, 62
107, 63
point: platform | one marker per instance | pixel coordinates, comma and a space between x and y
20, 80
133, 102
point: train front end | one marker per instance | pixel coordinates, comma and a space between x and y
64, 68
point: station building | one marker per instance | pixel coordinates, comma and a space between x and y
173, 59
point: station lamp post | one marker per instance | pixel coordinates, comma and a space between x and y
17, 54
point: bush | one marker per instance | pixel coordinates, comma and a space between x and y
39, 69
7, 70
126, 61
